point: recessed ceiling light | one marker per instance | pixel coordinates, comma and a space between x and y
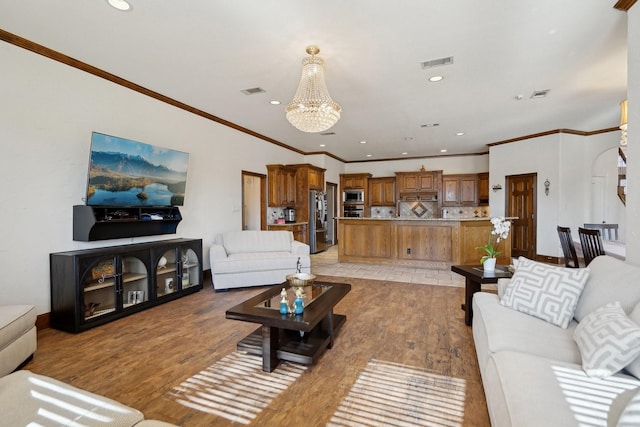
444, 150
435, 78
323, 145
405, 153
274, 102
369, 155
460, 133
363, 142
120, 5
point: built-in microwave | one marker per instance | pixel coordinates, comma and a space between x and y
353, 196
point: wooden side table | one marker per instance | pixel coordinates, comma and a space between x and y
475, 276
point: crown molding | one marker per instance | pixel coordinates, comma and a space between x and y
624, 5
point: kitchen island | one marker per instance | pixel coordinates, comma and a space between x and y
434, 242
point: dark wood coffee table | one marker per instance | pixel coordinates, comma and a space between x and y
298, 338
475, 276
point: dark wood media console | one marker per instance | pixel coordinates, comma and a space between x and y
95, 286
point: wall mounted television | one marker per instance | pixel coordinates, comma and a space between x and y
130, 173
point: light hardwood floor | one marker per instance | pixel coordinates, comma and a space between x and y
139, 360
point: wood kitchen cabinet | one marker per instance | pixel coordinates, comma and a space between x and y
282, 186
415, 182
298, 229
354, 181
483, 189
460, 190
382, 191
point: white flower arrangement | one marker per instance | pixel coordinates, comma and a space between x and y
500, 231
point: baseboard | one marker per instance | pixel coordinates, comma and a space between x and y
43, 321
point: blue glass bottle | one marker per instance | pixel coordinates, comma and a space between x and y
298, 304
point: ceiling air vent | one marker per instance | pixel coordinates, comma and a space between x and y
539, 93
327, 133
253, 91
437, 62
430, 125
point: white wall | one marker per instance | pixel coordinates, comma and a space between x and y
567, 161
47, 113
449, 165
633, 135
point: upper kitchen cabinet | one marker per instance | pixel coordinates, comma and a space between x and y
309, 177
382, 191
419, 185
460, 190
282, 186
354, 181
483, 189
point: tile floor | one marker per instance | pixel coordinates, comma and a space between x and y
326, 263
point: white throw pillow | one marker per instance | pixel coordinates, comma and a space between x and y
609, 280
545, 291
608, 340
502, 286
630, 416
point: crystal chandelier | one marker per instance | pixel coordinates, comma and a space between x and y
312, 109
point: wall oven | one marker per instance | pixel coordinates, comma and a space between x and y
353, 211
353, 196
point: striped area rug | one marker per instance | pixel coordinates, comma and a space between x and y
392, 394
236, 387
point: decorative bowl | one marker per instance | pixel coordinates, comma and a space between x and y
300, 279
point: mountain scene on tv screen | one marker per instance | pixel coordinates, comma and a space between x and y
121, 179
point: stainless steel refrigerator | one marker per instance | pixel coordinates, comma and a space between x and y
317, 221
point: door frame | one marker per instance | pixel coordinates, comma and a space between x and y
263, 197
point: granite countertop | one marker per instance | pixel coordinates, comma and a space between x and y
395, 218
288, 223
484, 218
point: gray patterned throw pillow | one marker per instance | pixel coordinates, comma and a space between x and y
545, 291
608, 340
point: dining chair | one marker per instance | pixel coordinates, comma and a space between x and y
568, 249
591, 243
607, 231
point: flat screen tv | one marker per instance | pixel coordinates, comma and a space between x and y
129, 173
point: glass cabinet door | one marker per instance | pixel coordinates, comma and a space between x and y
99, 292
135, 281
190, 268
167, 273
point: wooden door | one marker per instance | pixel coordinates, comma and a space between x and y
521, 203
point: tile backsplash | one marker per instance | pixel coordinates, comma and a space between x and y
427, 210
383, 212
465, 212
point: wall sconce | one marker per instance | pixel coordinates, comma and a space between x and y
547, 184
496, 187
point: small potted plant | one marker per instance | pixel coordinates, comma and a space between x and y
499, 232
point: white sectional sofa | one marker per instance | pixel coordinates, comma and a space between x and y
255, 258
533, 371
18, 338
